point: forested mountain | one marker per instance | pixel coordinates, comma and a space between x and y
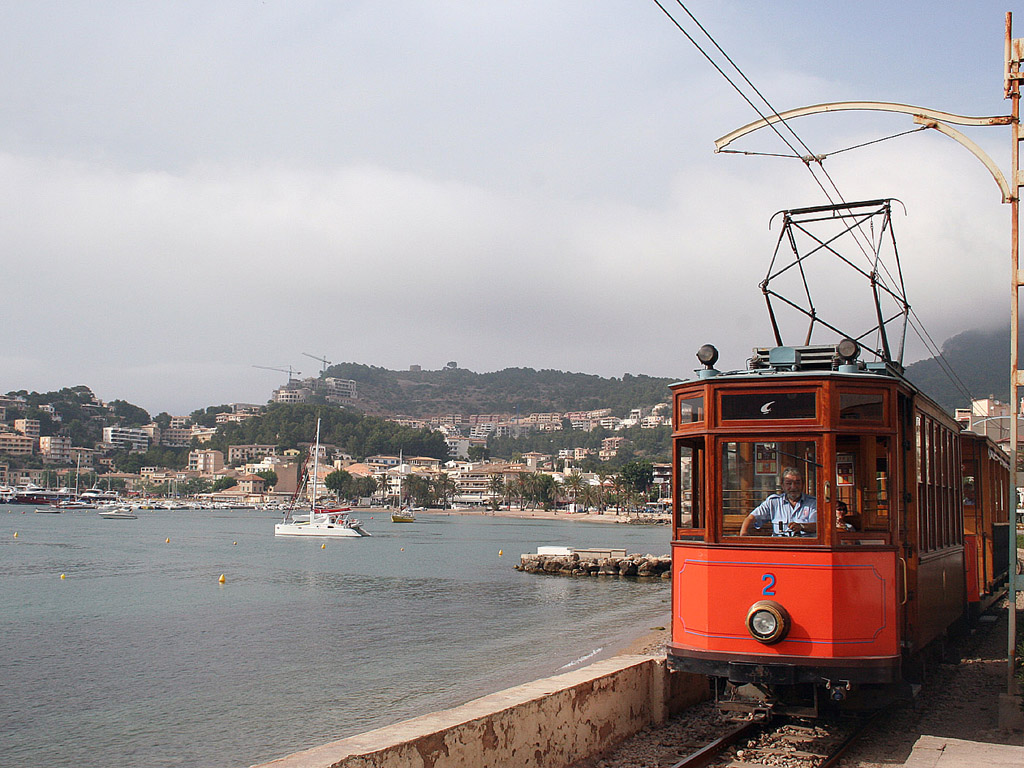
980, 359
457, 390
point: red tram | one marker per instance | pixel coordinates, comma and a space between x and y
891, 523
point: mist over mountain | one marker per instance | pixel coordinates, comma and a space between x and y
980, 360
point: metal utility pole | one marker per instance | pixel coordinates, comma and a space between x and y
1011, 90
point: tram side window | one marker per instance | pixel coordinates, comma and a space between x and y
689, 487
768, 489
939, 515
862, 484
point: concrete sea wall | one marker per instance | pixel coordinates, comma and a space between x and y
549, 723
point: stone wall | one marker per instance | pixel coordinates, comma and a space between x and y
638, 566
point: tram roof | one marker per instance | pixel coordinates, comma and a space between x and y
818, 361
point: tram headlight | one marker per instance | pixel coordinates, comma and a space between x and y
767, 622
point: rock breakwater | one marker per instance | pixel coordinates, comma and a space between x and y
630, 566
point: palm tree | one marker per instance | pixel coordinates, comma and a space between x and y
497, 489
382, 486
543, 489
574, 485
443, 487
602, 477
522, 489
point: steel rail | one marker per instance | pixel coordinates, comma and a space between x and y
707, 753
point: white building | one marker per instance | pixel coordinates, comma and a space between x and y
338, 390
126, 438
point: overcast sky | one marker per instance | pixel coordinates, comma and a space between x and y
190, 189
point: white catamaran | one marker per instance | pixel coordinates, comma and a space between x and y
321, 521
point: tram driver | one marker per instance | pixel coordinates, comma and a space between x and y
791, 513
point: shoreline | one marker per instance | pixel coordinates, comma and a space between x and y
538, 514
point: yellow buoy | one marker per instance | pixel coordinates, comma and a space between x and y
324, 545
234, 543
221, 580
501, 552
403, 549
167, 540
62, 575
15, 534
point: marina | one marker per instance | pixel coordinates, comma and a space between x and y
140, 656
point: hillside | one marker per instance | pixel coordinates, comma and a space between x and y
456, 390
981, 360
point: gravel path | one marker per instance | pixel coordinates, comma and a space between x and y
959, 701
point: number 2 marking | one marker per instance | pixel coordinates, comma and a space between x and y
769, 588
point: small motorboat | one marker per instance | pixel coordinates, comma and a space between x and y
118, 513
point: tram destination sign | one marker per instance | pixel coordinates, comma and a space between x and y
768, 406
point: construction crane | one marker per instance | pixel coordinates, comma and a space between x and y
323, 360
289, 370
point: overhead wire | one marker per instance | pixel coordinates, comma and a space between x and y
810, 157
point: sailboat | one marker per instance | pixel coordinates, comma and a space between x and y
321, 521
403, 514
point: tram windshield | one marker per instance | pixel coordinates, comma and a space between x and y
769, 489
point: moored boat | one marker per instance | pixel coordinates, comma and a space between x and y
118, 513
405, 515
321, 521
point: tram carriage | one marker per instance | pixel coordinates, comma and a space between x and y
845, 607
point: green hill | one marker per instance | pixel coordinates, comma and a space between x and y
457, 390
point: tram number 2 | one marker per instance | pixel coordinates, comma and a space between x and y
769, 587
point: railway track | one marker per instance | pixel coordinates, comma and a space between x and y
783, 743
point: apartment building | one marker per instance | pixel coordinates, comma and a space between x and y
83, 458
55, 449
244, 453
16, 445
176, 437
126, 439
206, 462
27, 427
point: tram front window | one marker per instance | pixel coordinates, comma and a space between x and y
768, 489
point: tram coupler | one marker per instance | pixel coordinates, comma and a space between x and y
837, 689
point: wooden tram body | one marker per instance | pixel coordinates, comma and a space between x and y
854, 601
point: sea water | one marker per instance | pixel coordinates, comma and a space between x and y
140, 656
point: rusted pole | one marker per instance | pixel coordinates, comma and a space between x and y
1012, 91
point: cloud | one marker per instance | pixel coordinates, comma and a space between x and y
530, 185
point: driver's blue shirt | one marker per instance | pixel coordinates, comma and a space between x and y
777, 509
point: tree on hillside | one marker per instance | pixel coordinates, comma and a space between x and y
128, 415
477, 453
269, 476
339, 482
637, 476
223, 483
